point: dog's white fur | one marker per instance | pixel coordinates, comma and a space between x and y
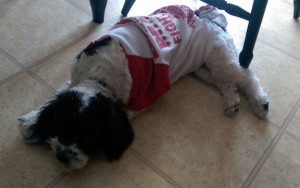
80, 158
221, 69
109, 62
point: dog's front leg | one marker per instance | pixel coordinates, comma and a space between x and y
29, 120
64, 87
26, 123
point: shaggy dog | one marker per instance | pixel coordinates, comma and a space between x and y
128, 69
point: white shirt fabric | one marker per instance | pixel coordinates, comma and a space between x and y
171, 43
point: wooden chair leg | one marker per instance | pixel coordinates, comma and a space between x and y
127, 6
98, 10
296, 9
254, 22
257, 13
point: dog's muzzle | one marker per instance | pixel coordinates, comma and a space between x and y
65, 156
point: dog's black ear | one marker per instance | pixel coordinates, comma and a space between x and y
116, 131
56, 112
92, 48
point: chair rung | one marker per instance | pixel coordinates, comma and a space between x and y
229, 8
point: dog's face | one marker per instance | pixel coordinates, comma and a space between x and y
78, 122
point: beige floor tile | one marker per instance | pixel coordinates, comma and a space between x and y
32, 29
128, 172
279, 75
282, 168
187, 136
280, 29
294, 124
34, 167
7, 68
56, 70
22, 165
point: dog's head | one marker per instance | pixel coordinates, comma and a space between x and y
78, 122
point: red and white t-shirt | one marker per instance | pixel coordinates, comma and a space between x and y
161, 48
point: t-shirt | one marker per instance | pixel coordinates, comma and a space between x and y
160, 48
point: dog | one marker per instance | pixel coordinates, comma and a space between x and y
127, 70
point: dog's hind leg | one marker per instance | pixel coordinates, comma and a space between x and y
204, 74
230, 97
229, 90
258, 100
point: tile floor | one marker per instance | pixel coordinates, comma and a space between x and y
183, 140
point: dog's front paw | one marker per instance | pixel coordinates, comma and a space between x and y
65, 86
230, 109
25, 126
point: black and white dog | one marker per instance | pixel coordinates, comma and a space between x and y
127, 70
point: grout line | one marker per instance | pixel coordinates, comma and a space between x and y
11, 77
295, 137
59, 177
258, 166
38, 62
12, 59
60, 50
66, 47
154, 168
291, 114
42, 82
45, 58
291, 135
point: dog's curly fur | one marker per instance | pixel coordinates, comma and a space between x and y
223, 71
87, 114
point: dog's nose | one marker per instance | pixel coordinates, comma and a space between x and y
63, 157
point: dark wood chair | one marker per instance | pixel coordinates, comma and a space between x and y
296, 9
98, 9
254, 18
